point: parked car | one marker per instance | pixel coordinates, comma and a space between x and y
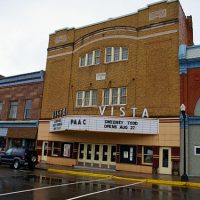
18, 157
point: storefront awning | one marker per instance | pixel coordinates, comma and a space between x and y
26, 133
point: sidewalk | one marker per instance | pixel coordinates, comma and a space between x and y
96, 172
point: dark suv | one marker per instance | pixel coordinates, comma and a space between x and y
17, 157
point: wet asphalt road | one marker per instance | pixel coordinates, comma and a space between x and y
43, 185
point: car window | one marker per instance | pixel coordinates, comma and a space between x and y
18, 151
21, 151
14, 151
9, 151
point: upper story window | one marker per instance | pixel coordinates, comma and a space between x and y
91, 58
115, 54
27, 109
114, 96
1, 107
86, 98
13, 110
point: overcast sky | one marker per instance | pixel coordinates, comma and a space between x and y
26, 25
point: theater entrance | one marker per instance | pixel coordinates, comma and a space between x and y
97, 155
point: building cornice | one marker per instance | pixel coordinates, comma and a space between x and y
19, 124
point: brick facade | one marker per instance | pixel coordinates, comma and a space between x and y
151, 76
189, 58
21, 130
151, 68
21, 93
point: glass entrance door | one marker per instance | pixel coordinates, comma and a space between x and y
165, 166
97, 155
96, 152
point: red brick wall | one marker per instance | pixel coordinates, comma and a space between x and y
185, 28
21, 93
190, 89
189, 31
155, 157
39, 147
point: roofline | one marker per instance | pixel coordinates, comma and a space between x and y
111, 19
41, 71
28, 78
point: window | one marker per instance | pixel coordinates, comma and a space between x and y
115, 54
106, 96
124, 53
67, 150
1, 107
79, 101
27, 110
114, 96
108, 54
94, 97
97, 57
86, 98
13, 109
82, 61
147, 155
56, 148
196, 150
122, 95
128, 154
91, 58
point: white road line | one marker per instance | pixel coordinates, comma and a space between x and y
52, 186
85, 195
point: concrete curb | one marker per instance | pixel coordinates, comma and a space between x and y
153, 181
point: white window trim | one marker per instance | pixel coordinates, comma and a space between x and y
127, 54
195, 147
97, 57
112, 55
120, 53
93, 57
110, 97
83, 99
77, 98
120, 96
86, 59
144, 163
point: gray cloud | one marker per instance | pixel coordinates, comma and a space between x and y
26, 25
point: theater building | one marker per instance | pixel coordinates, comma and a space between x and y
189, 59
112, 92
20, 106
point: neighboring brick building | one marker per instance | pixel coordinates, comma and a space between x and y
20, 107
100, 74
189, 58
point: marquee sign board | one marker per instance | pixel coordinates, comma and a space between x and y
106, 124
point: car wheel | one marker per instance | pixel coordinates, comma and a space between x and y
33, 159
16, 164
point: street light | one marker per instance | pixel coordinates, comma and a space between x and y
184, 177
